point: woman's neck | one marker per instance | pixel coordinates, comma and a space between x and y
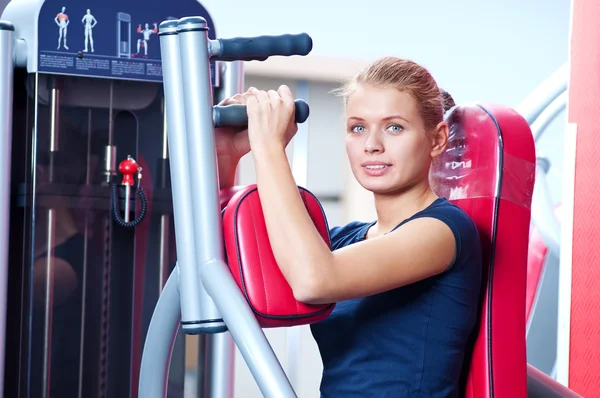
392, 209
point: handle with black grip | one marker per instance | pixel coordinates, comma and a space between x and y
262, 47
236, 115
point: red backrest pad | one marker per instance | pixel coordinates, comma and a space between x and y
488, 170
536, 263
252, 262
536, 259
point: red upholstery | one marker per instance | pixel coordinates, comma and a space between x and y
536, 258
226, 194
536, 261
253, 264
488, 170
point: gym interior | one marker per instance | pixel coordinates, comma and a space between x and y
100, 160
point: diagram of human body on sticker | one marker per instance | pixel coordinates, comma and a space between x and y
146, 33
88, 22
115, 39
62, 20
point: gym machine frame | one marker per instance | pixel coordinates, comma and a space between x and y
539, 109
201, 294
7, 65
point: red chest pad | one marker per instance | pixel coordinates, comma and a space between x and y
252, 262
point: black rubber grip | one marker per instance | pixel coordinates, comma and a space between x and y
236, 115
262, 47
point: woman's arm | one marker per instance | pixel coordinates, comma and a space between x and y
233, 143
227, 166
419, 249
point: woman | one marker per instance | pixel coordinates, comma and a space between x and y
407, 284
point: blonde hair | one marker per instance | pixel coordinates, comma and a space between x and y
409, 77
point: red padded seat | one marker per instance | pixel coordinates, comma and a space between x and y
488, 170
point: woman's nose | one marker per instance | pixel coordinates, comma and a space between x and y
373, 143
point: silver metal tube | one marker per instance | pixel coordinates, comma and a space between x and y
215, 275
163, 251
544, 94
110, 112
110, 161
247, 334
86, 232
232, 83
548, 115
49, 298
216, 372
542, 209
180, 179
54, 123
232, 80
202, 162
165, 143
88, 169
207, 231
48, 303
160, 339
163, 260
219, 375
110, 151
542, 212
6, 111
54, 117
127, 199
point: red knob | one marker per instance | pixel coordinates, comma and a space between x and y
128, 168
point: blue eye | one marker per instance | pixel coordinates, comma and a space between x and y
357, 129
395, 128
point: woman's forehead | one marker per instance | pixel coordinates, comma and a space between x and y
369, 102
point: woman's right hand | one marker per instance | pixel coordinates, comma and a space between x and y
232, 142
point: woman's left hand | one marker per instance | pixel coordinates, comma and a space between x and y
271, 118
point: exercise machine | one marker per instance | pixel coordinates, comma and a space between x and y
90, 242
489, 170
118, 110
202, 295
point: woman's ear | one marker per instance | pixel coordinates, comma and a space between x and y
439, 139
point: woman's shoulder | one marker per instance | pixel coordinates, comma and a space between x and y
352, 232
448, 212
464, 229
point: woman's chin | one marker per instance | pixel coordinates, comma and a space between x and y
377, 185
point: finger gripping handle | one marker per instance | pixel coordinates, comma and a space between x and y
262, 47
236, 115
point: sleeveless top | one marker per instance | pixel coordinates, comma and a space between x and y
409, 341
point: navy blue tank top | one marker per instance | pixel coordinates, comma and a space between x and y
409, 341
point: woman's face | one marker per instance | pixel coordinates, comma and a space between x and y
387, 145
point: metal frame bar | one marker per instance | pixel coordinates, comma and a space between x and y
544, 94
7, 68
185, 51
547, 116
217, 351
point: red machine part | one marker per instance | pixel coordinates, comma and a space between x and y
584, 101
128, 168
536, 260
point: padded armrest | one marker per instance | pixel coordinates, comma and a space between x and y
540, 385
